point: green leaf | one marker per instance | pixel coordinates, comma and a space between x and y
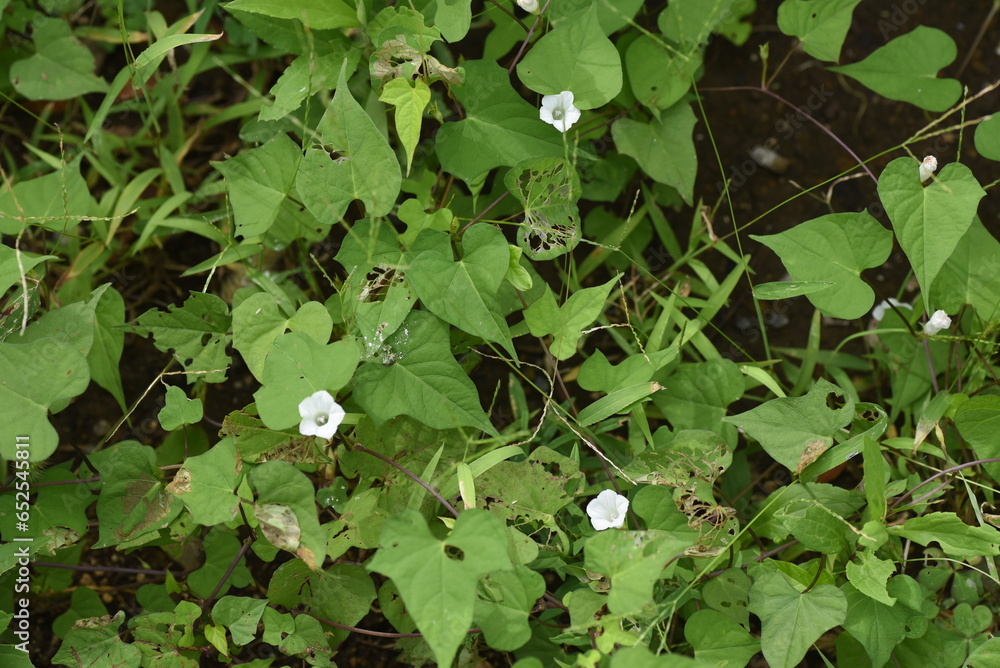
109, 342
240, 614
33, 377
977, 420
499, 128
788, 289
505, 601
179, 410
929, 221
611, 18
971, 274
437, 578
74, 324
719, 640
134, 503
906, 69
664, 149
877, 626
10, 273
548, 189
834, 248
196, 333
987, 137
618, 401
84, 603
659, 76
420, 378
822, 25
61, 68
315, 14
633, 561
306, 75
258, 181
692, 21
463, 292
696, 396
453, 18
795, 430
815, 526
567, 322
207, 483
955, 537
279, 485
729, 594
298, 367
409, 101
575, 56
791, 620
366, 168
57, 202
257, 322
342, 593
221, 549
98, 644
869, 575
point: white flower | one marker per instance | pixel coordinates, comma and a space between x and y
530, 6
938, 321
607, 510
927, 167
558, 110
879, 311
321, 415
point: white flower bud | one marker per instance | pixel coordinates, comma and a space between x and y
938, 321
530, 6
927, 167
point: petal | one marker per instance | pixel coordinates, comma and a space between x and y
600, 524
308, 427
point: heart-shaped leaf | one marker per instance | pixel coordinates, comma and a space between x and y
834, 248
822, 25
906, 69
929, 221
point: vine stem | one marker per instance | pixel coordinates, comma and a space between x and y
808, 117
414, 477
947, 471
527, 38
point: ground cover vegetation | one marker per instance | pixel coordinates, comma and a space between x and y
345, 332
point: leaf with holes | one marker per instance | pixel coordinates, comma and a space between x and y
437, 578
365, 168
930, 220
196, 333
548, 189
793, 429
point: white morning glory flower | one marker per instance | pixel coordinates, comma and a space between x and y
558, 110
321, 415
607, 510
879, 311
530, 6
938, 321
927, 167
